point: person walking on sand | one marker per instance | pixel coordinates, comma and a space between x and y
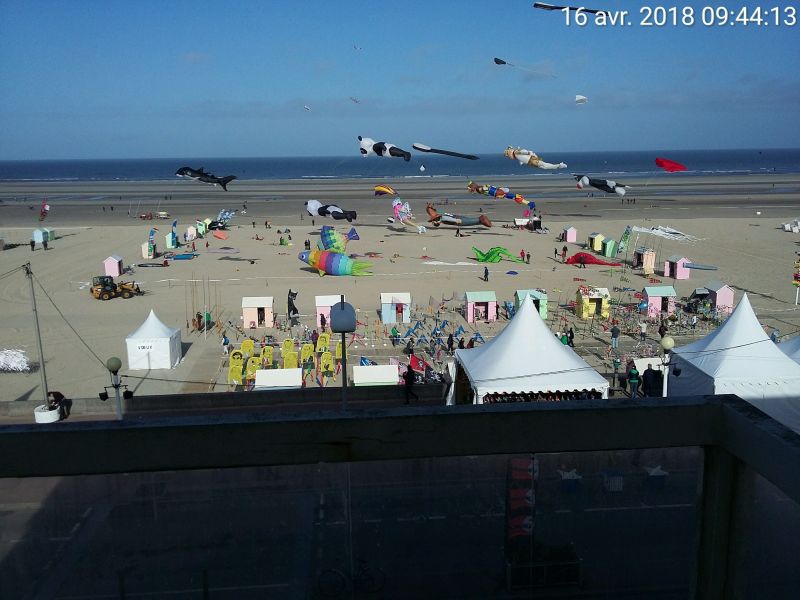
564, 254
633, 379
555, 253
44, 244
33, 245
528, 257
450, 343
522, 255
615, 337
571, 338
642, 331
581, 262
486, 273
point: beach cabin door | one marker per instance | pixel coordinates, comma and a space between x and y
481, 310
598, 305
261, 316
398, 313
665, 304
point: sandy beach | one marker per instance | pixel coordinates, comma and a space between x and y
752, 254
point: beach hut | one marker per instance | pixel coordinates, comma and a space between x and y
675, 267
596, 241
539, 298
171, 240
43, 234
721, 296
592, 302
323, 304
609, 247
395, 307
201, 228
148, 250
113, 265
660, 299
257, 311
570, 234
191, 233
480, 306
645, 259
154, 346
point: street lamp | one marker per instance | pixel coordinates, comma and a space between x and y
113, 365
667, 344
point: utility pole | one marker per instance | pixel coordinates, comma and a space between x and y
42, 373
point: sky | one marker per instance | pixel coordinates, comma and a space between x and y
155, 79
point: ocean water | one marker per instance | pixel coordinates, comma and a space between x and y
640, 163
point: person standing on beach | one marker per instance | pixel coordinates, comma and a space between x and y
450, 343
643, 331
564, 254
633, 379
528, 257
486, 273
555, 253
33, 245
44, 244
522, 255
615, 337
571, 338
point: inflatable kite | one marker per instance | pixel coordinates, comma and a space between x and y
403, 215
370, 146
424, 148
670, 165
384, 190
526, 157
333, 263
44, 210
606, 185
581, 99
201, 175
457, 220
545, 6
496, 192
315, 208
494, 255
332, 240
291, 307
589, 259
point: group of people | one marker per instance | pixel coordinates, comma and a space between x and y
649, 381
563, 254
567, 337
558, 396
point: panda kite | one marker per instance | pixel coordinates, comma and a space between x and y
315, 208
370, 146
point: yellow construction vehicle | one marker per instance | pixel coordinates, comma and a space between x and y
104, 288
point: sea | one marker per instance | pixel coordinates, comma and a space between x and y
616, 164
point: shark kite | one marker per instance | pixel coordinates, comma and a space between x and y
201, 175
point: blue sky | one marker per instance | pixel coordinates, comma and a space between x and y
145, 79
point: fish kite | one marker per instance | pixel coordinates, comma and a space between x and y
606, 185
589, 259
670, 165
333, 241
370, 146
457, 220
315, 208
494, 255
383, 190
44, 210
334, 263
496, 192
581, 99
404, 216
201, 175
424, 148
545, 6
526, 157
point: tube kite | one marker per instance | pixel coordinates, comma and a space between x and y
606, 185
589, 259
425, 148
670, 165
370, 146
334, 263
384, 190
332, 240
526, 157
496, 192
315, 208
457, 220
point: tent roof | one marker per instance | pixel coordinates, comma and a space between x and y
791, 348
527, 357
152, 328
328, 300
256, 301
660, 290
715, 286
739, 349
676, 258
480, 296
114, 257
568, 227
395, 298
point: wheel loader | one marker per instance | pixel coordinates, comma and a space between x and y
104, 288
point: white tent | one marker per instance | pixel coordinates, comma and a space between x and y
154, 345
527, 357
791, 348
739, 358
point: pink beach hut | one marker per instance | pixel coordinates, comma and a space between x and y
660, 300
113, 265
675, 267
257, 311
570, 234
324, 304
721, 296
480, 306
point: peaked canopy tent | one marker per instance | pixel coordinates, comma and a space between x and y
154, 345
524, 357
738, 358
791, 348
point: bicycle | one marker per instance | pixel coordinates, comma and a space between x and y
332, 583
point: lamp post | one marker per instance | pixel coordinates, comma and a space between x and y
667, 344
113, 365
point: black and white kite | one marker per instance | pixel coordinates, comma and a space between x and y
424, 148
315, 208
545, 6
606, 185
370, 146
201, 175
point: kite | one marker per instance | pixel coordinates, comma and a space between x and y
526, 157
315, 208
44, 210
291, 307
307, 107
201, 175
494, 255
500, 61
403, 214
545, 6
333, 241
606, 185
457, 220
581, 100
424, 148
333, 263
422, 168
700, 267
382, 190
355, 100
589, 259
496, 192
225, 215
370, 146
670, 165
